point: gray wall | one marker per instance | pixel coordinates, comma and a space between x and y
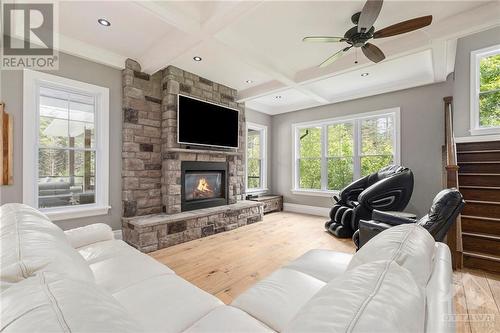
461, 89
264, 119
422, 135
85, 71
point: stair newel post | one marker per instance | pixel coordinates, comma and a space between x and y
454, 237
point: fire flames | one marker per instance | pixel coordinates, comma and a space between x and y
203, 186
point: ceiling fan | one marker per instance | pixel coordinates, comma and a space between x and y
364, 30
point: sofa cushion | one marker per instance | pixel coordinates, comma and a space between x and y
277, 299
126, 268
379, 296
166, 303
324, 265
226, 319
89, 234
410, 245
48, 302
30, 243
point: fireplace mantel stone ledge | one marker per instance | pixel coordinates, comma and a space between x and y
203, 151
156, 231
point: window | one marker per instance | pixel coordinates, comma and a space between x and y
330, 154
485, 91
65, 146
256, 158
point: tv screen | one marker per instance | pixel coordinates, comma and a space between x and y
207, 124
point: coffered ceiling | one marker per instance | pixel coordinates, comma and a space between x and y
256, 47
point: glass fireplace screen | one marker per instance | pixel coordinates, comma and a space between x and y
203, 185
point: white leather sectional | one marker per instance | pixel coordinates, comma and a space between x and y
83, 280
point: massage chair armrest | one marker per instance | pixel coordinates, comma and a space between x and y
392, 193
390, 218
89, 234
353, 190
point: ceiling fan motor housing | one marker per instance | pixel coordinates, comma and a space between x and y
358, 39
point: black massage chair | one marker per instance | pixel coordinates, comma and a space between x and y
389, 189
443, 213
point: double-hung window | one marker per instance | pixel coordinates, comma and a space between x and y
65, 146
256, 166
485, 91
330, 154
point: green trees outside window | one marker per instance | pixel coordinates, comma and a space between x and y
489, 91
332, 155
254, 162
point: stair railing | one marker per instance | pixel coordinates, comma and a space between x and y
454, 236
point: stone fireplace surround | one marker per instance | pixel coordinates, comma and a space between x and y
152, 158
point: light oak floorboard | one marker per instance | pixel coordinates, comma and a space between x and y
227, 264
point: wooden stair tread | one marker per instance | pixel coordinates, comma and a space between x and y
481, 235
481, 218
481, 187
480, 162
483, 202
478, 151
478, 174
481, 256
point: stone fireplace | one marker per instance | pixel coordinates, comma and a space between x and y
203, 185
174, 193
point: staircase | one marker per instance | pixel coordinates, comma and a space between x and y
479, 180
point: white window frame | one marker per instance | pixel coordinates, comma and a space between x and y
324, 123
475, 59
262, 129
32, 82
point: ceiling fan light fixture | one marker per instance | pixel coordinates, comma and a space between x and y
197, 58
104, 22
365, 74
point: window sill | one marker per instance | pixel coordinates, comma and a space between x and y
316, 193
485, 131
61, 214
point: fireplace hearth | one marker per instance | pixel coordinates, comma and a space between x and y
203, 185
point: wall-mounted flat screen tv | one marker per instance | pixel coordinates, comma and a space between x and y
206, 124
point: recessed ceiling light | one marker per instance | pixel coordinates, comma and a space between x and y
249, 81
197, 58
278, 97
104, 22
365, 74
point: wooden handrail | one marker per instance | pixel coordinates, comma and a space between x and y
454, 236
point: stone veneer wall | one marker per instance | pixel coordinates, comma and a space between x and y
151, 168
141, 141
177, 81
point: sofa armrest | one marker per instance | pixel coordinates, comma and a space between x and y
89, 234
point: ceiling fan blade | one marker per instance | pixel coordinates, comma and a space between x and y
372, 52
404, 27
334, 57
369, 14
323, 39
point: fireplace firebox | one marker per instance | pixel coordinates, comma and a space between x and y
203, 185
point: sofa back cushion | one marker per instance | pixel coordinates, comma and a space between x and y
410, 245
376, 297
48, 302
30, 243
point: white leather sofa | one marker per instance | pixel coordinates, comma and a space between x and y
83, 280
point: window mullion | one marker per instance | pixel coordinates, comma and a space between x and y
357, 149
324, 150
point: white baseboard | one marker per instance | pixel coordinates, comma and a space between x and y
117, 234
305, 209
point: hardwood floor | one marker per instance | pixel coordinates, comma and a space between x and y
227, 264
